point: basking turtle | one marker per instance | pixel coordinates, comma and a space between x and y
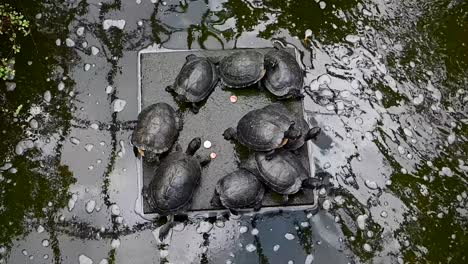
264, 130
307, 133
174, 182
195, 81
156, 131
283, 173
242, 68
284, 77
237, 190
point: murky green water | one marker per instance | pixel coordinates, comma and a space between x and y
395, 135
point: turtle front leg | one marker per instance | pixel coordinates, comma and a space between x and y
195, 108
230, 133
205, 160
169, 89
257, 207
269, 154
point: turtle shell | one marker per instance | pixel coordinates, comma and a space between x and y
301, 124
283, 173
174, 183
283, 73
157, 128
242, 68
262, 130
196, 79
240, 189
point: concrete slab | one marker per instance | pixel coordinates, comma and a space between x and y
159, 69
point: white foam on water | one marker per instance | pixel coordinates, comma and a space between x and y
119, 105
309, 259
276, 248
326, 205
243, 229
118, 23
58, 42
289, 236
250, 248
109, 89
254, 232
322, 4
90, 205
83, 259
40, 229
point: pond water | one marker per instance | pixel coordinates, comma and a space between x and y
395, 127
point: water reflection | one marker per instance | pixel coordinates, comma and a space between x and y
393, 107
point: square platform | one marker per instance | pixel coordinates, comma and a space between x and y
158, 69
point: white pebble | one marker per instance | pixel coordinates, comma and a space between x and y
254, 232
367, 247
408, 132
451, 138
40, 229
289, 236
61, 86
322, 5
352, 38
446, 171
109, 89
104, 261
418, 100
326, 205
45, 243
74, 141
309, 259
94, 50
69, 42
87, 66
47, 96
94, 126
89, 147
243, 229
58, 42
207, 144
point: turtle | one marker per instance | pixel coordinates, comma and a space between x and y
307, 133
156, 131
195, 81
242, 68
284, 78
263, 130
174, 183
283, 173
237, 190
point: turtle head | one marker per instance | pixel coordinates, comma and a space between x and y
181, 98
193, 146
293, 133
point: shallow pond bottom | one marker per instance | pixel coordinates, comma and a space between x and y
158, 69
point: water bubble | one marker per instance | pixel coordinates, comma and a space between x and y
352, 38
119, 105
367, 247
359, 121
115, 243
207, 144
204, 227
47, 96
324, 79
87, 66
250, 248
80, 31
69, 42
243, 229
254, 232
45, 243
140, 23
289, 236
90, 205
451, 138
83, 259
326, 205
58, 42
276, 248
322, 5
361, 221
384, 214
40, 229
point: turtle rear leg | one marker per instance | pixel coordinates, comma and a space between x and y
233, 212
166, 228
193, 146
204, 160
269, 155
312, 183
216, 201
257, 207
